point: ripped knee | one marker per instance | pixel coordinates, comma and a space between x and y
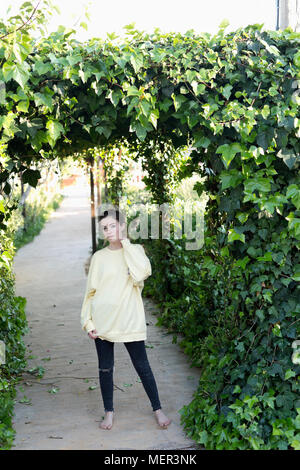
106, 370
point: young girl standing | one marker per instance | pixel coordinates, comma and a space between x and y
113, 311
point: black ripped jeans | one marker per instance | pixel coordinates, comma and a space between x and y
138, 355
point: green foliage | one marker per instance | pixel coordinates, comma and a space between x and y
62, 96
237, 320
36, 216
116, 165
13, 325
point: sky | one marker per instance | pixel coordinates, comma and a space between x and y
107, 16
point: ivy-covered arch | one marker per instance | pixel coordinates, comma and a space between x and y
233, 98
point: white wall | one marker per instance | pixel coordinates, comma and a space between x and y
289, 14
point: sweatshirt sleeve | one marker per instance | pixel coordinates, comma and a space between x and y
85, 316
137, 261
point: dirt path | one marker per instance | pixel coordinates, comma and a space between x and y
50, 274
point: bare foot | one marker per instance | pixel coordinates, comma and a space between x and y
108, 420
161, 418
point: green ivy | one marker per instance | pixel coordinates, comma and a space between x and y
13, 325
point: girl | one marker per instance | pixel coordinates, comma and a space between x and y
113, 311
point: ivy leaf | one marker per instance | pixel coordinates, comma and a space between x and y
53, 390
137, 62
296, 59
74, 59
33, 126
265, 111
258, 182
20, 73
84, 25
55, 129
23, 106
201, 140
198, 88
165, 104
271, 49
39, 139
296, 276
133, 91
227, 91
288, 157
115, 97
267, 257
92, 387
8, 123
242, 216
294, 225
289, 373
228, 152
42, 68
153, 117
203, 437
139, 129
233, 235
84, 74
237, 389
7, 71
44, 99
223, 25
104, 130
240, 347
31, 177
293, 192
178, 100
230, 178
145, 107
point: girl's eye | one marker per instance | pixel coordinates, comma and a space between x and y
105, 228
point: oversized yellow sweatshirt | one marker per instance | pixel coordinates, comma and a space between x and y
113, 303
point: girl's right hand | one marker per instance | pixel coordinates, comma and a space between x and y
93, 334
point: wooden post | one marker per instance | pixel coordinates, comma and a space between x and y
105, 187
93, 218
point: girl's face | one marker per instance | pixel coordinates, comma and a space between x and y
111, 228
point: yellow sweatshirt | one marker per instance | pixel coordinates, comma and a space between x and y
113, 303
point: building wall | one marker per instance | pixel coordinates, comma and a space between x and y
289, 14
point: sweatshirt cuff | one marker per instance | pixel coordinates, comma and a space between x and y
89, 326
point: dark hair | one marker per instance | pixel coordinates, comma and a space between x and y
115, 213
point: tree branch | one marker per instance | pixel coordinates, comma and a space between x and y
24, 23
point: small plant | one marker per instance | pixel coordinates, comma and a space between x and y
53, 390
37, 371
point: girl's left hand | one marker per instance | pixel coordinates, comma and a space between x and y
93, 334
